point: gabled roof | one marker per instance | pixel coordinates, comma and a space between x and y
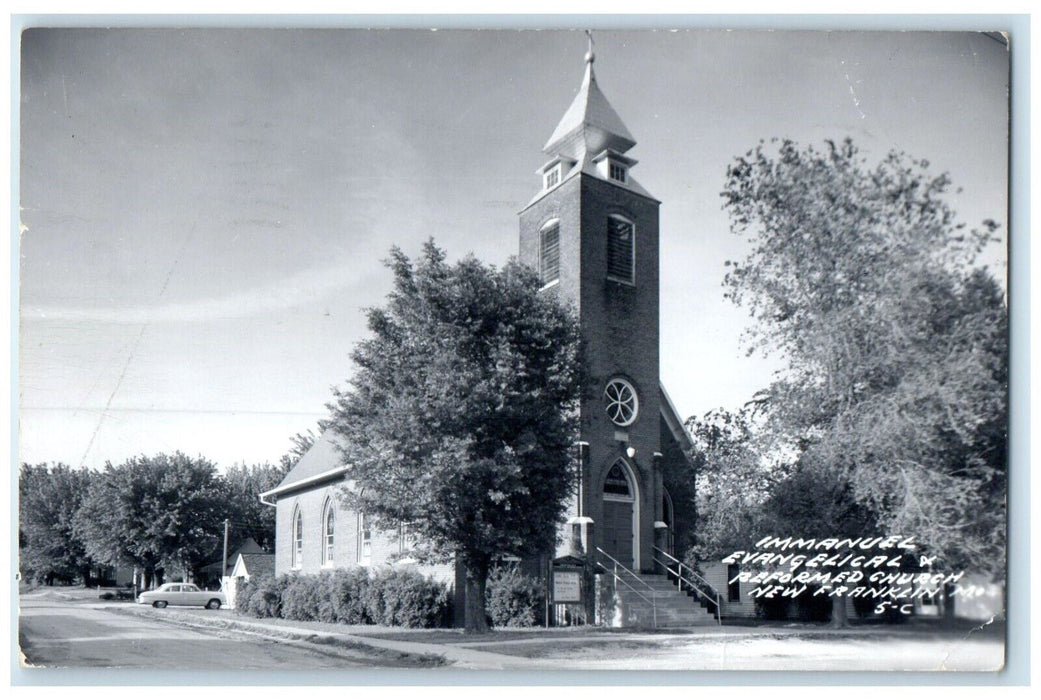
672, 419
254, 565
247, 546
320, 463
590, 124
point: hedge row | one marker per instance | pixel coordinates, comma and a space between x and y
400, 598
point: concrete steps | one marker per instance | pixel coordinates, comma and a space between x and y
657, 602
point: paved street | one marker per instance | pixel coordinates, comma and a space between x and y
72, 629
56, 632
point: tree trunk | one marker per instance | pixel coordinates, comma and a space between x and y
476, 581
838, 612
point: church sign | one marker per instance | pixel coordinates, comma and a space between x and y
567, 586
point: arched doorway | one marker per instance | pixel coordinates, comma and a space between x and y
620, 522
668, 518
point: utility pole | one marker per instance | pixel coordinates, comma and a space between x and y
224, 560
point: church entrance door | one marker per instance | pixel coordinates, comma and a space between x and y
619, 515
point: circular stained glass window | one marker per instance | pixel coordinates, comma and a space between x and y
621, 402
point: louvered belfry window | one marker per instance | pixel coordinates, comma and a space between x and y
620, 249
549, 254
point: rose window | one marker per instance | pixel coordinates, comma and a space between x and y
621, 402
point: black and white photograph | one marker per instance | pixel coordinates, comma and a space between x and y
572, 349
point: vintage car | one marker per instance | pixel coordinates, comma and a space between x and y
181, 594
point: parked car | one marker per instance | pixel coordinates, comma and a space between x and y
181, 594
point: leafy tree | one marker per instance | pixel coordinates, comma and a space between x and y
48, 497
154, 513
816, 501
732, 480
896, 348
250, 517
461, 415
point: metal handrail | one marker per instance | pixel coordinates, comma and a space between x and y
712, 594
619, 579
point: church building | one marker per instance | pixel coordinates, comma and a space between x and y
591, 232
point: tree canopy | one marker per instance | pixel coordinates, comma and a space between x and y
48, 498
165, 511
862, 278
461, 416
249, 517
733, 478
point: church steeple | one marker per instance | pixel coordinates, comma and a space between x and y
590, 124
590, 139
591, 233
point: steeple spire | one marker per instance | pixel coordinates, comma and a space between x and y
590, 124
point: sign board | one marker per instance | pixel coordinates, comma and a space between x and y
567, 586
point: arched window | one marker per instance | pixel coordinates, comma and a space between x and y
328, 523
364, 539
666, 508
668, 517
298, 539
549, 253
621, 250
617, 486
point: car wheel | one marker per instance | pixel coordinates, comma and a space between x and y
159, 604
213, 605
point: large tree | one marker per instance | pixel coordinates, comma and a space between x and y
249, 517
733, 478
862, 278
48, 498
161, 512
816, 501
461, 415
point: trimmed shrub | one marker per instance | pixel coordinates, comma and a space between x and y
243, 593
404, 598
301, 598
512, 598
346, 599
390, 597
266, 597
372, 596
410, 600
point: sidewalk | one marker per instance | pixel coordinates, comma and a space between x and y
327, 634
521, 649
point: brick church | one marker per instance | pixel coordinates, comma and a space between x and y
591, 231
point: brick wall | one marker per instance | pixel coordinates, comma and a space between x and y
619, 327
346, 541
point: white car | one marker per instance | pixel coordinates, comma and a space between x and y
181, 594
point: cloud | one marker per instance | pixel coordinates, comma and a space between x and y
305, 287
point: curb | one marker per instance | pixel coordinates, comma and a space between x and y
421, 655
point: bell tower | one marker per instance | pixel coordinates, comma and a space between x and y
591, 231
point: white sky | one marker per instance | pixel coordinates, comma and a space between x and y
204, 211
